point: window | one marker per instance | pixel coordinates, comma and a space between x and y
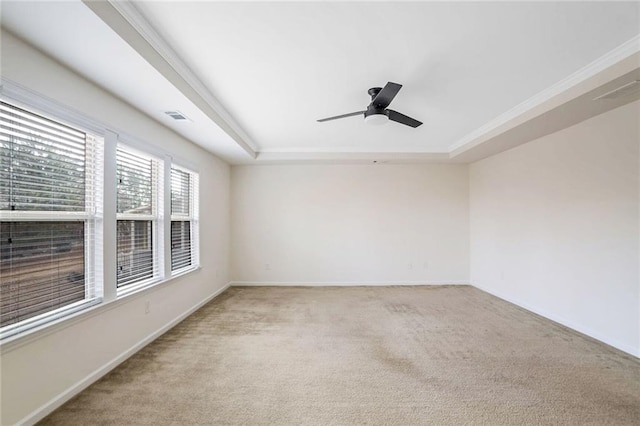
48, 194
184, 219
61, 189
137, 213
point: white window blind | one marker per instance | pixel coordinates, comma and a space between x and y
48, 194
184, 219
137, 213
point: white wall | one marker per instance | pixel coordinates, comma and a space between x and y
358, 224
38, 374
555, 226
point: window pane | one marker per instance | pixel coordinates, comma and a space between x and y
41, 268
180, 244
42, 163
180, 192
134, 251
135, 177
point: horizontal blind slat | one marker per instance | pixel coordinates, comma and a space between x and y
180, 192
13, 110
180, 244
135, 183
40, 261
43, 163
27, 136
134, 251
23, 139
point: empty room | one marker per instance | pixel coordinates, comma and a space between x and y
319, 213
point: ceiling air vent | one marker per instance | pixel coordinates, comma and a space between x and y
176, 115
624, 90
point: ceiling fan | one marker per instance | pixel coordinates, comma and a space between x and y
377, 111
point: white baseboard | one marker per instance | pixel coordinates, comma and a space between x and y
59, 400
563, 321
341, 283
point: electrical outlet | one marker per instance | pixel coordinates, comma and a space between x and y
267, 267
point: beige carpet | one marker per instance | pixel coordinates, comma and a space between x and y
365, 355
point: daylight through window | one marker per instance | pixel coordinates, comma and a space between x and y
85, 220
47, 213
137, 207
184, 184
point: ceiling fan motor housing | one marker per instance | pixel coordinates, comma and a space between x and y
373, 92
375, 115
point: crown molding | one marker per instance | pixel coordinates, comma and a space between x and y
611, 58
172, 67
270, 157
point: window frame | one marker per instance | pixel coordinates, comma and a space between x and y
155, 217
104, 223
90, 216
192, 217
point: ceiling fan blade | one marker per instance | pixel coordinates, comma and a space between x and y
401, 118
351, 114
386, 95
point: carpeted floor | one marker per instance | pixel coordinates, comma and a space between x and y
449, 355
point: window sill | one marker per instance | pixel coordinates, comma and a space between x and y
18, 340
